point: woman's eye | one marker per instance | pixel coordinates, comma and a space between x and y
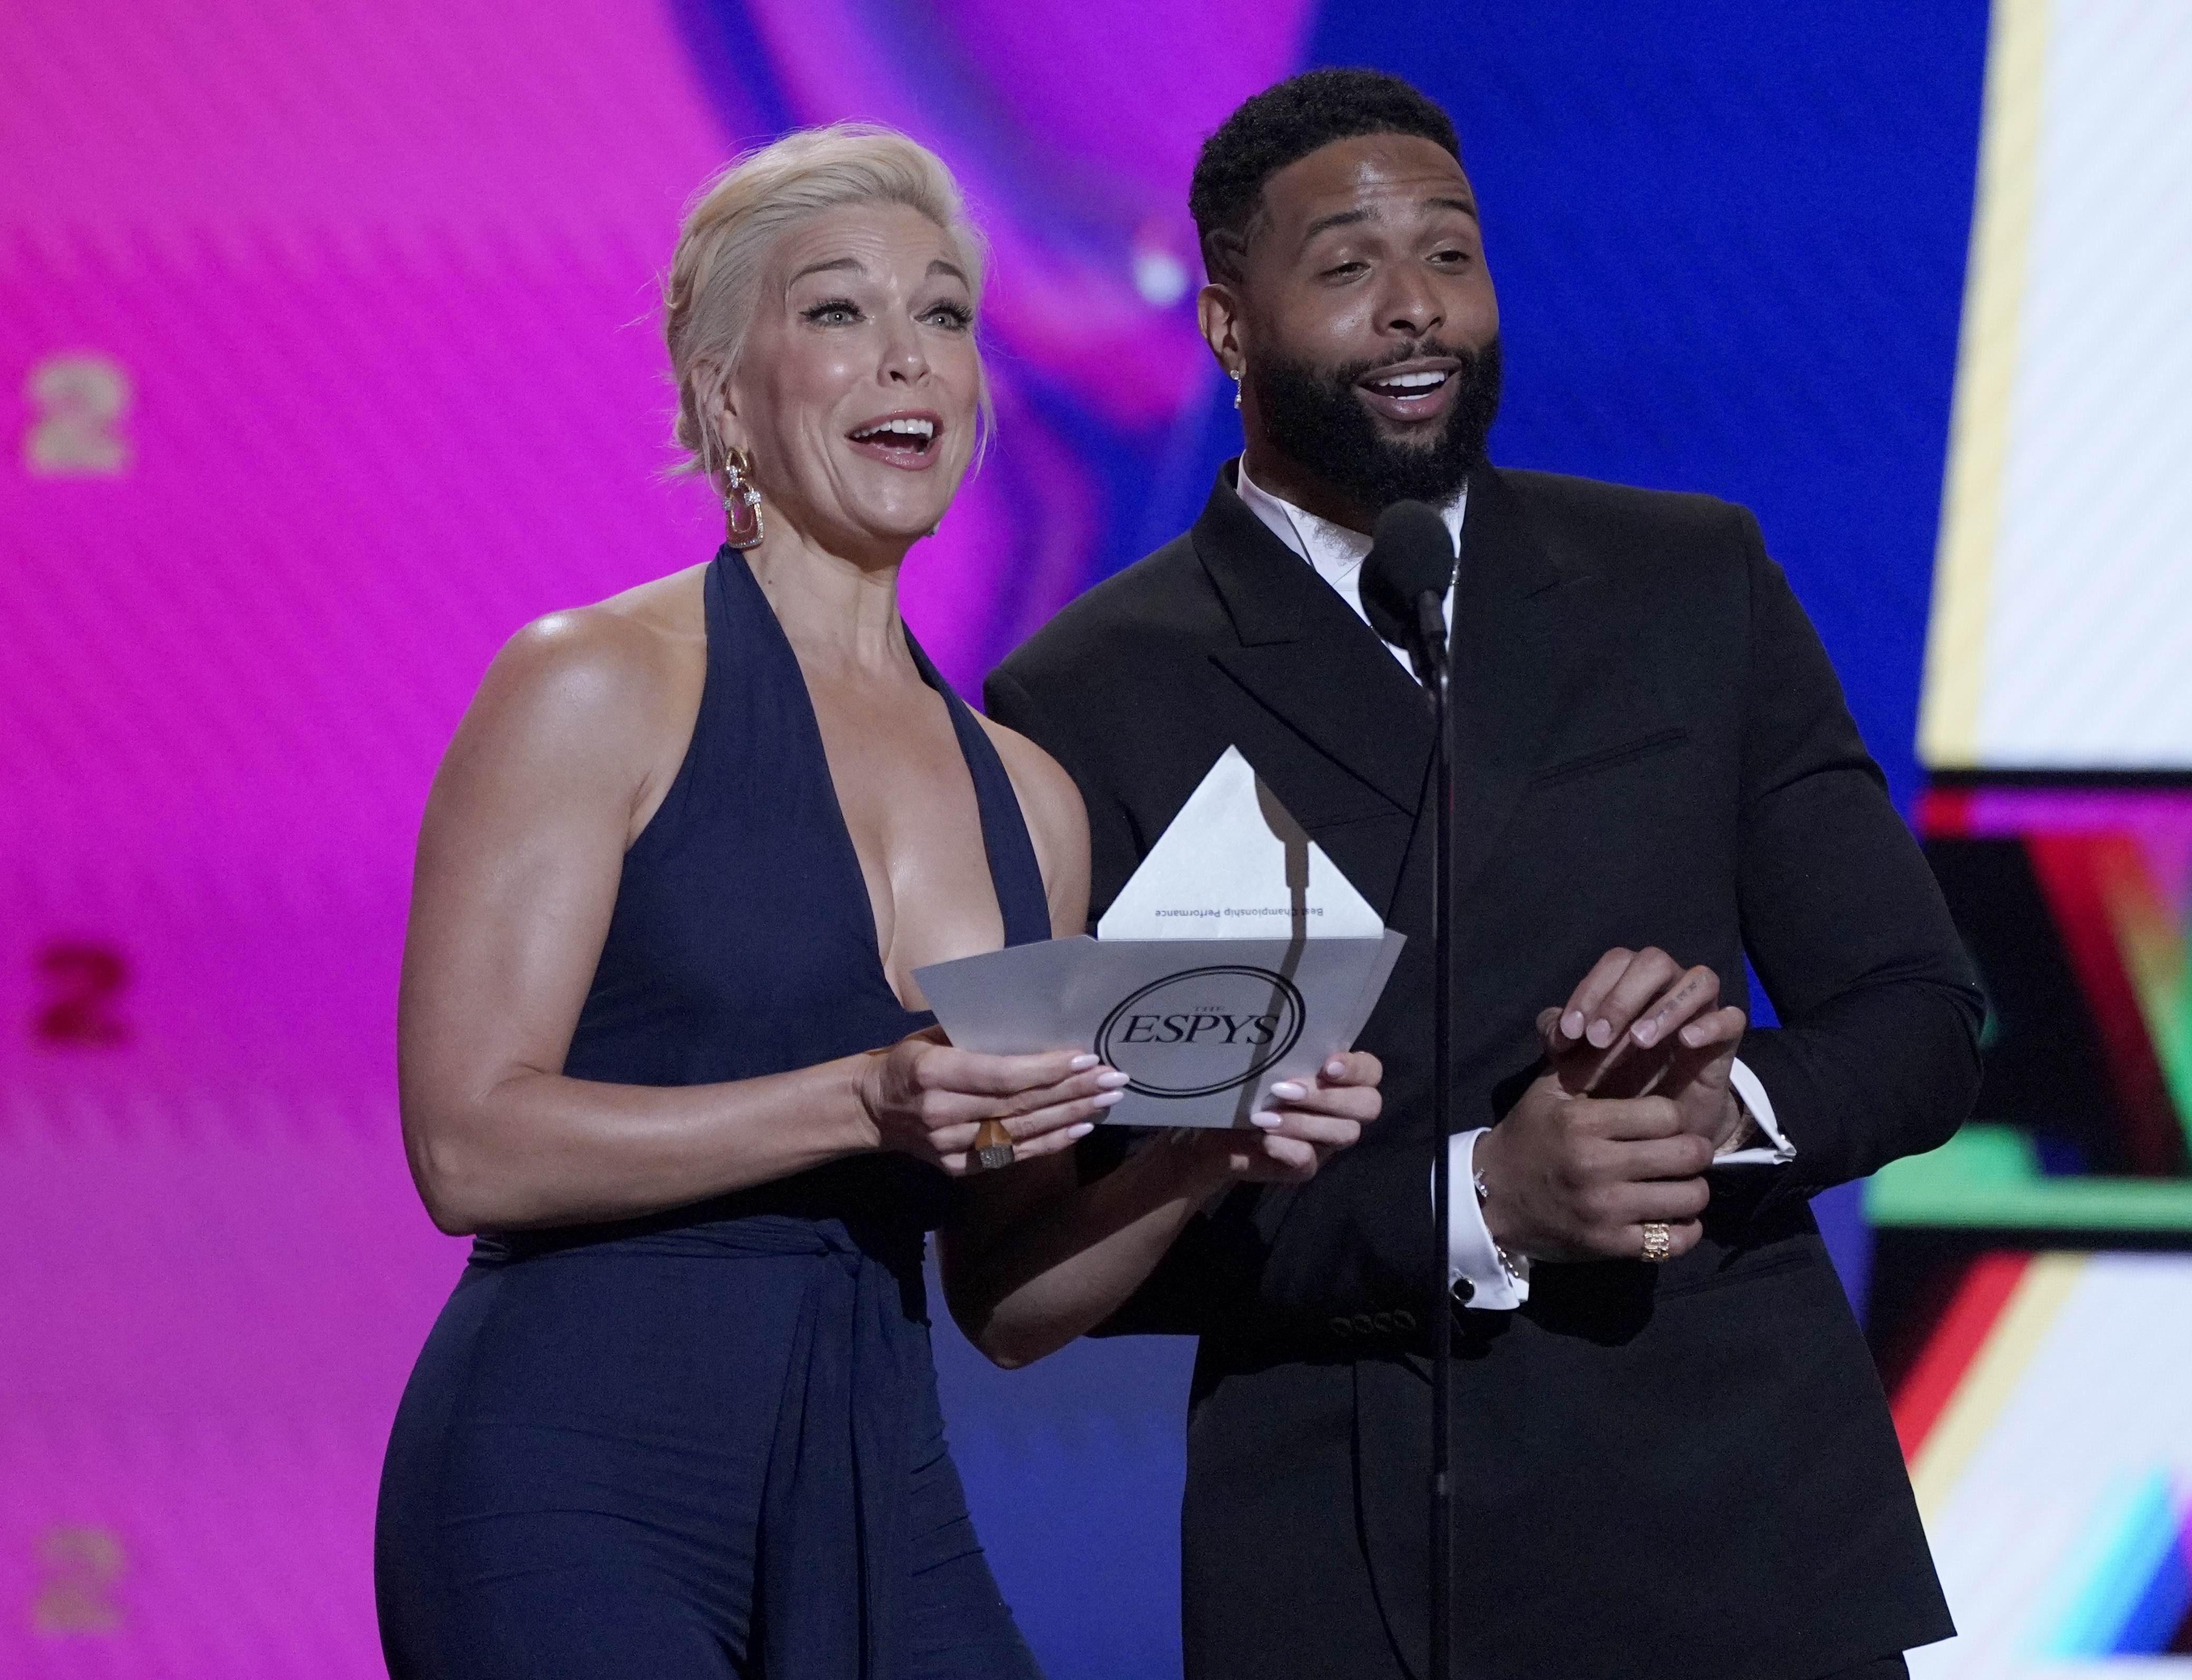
951, 317
836, 313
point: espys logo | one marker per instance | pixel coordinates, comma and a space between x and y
1201, 1031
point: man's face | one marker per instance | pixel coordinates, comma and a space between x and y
1365, 320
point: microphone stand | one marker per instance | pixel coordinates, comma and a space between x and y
1435, 664
1405, 587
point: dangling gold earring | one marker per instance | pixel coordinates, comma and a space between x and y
741, 501
1236, 372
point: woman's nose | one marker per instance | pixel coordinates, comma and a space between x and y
904, 362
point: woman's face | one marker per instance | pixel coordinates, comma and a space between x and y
858, 388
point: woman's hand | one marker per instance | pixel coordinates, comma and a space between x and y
927, 1098
1304, 1127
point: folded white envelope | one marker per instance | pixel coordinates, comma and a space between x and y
1238, 955
1233, 864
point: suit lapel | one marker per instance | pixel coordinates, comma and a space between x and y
1310, 661
1320, 671
1520, 624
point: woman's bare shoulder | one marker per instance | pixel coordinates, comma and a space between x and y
614, 666
584, 715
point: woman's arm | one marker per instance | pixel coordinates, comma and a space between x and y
1037, 1258
566, 750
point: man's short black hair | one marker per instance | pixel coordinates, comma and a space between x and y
1284, 123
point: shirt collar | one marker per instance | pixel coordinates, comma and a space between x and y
1336, 552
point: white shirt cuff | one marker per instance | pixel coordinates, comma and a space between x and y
1471, 1255
1777, 1150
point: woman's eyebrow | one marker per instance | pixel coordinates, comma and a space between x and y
852, 264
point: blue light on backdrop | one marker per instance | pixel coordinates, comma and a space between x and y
1729, 241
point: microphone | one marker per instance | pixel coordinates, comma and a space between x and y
1405, 579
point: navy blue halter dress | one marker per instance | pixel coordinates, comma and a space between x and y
706, 1443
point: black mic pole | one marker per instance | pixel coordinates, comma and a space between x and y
1405, 578
1431, 612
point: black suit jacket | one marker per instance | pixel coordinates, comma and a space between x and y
1680, 1471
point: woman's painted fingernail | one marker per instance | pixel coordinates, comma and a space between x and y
1081, 1131
1600, 1035
1572, 1024
1108, 1098
1113, 1080
1266, 1120
1082, 1064
1693, 1036
1287, 1091
1335, 1069
1645, 1031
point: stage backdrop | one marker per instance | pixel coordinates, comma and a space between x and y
328, 356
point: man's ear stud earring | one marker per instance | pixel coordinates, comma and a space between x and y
1236, 372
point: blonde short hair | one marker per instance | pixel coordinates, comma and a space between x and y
713, 286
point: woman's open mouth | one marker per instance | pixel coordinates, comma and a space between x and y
906, 441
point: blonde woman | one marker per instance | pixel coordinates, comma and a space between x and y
660, 1042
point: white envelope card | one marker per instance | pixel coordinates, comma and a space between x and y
1233, 864
1238, 955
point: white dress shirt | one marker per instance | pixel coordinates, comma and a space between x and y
1497, 1282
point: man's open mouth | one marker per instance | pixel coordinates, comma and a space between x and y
1407, 384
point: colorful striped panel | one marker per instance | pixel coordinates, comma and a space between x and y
2049, 1426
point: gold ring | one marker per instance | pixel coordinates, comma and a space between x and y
993, 1148
1658, 1247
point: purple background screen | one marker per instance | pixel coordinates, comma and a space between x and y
328, 357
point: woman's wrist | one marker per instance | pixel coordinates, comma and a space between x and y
1195, 1161
858, 1100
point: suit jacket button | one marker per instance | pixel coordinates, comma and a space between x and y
1341, 1327
1364, 1323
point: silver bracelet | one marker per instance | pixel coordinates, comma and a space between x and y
1506, 1260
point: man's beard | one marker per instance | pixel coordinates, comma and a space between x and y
1315, 419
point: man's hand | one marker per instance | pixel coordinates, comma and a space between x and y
1621, 1131
1641, 1025
1578, 1177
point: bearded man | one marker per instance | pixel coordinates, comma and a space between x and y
1672, 1457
